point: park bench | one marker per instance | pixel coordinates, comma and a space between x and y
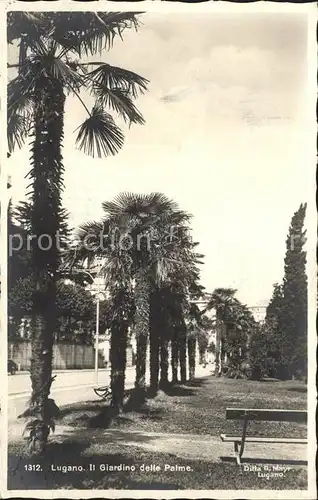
105, 392
246, 415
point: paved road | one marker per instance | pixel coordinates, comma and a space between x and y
21, 383
68, 387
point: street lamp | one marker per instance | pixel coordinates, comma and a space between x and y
99, 295
96, 340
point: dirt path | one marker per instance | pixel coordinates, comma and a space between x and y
187, 446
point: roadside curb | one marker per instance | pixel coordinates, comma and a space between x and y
71, 370
24, 394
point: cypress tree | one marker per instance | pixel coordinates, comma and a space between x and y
274, 308
294, 310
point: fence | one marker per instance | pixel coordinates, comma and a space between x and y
65, 356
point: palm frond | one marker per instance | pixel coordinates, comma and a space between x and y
91, 230
89, 33
107, 76
20, 94
116, 268
29, 25
99, 134
45, 62
139, 204
105, 27
18, 128
20, 105
119, 101
63, 72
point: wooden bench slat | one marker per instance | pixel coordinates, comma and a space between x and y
274, 415
256, 439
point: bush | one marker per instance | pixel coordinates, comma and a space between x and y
261, 363
266, 356
282, 371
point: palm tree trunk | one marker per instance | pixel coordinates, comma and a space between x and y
154, 362
41, 370
192, 341
221, 367
217, 348
183, 355
164, 361
175, 357
22, 53
155, 334
222, 350
46, 173
142, 330
118, 359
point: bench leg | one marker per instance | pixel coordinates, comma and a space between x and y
243, 435
239, 445
237, 452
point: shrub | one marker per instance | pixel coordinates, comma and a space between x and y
266, 356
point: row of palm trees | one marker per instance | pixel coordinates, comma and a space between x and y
151, 272
234, 327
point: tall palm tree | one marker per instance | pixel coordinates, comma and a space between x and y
104, 242
138, 230
51, 46
222, 300
234, 325
180, 292
240, 325
155, 252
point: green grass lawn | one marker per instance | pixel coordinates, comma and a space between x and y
197, 408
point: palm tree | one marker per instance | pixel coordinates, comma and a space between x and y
153, 258
222, 300
51, 45
240, 325
234, 325
178, 295
155, 255
104, 242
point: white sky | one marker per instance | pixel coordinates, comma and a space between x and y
224, 137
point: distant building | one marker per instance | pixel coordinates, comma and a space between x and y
259, 313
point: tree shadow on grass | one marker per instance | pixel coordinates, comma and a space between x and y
298, 389
136, 400
79, 408
100, 414
178, 390
197, 382
84, 471
135, 403
103, 419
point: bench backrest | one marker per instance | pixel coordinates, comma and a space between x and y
267, 415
